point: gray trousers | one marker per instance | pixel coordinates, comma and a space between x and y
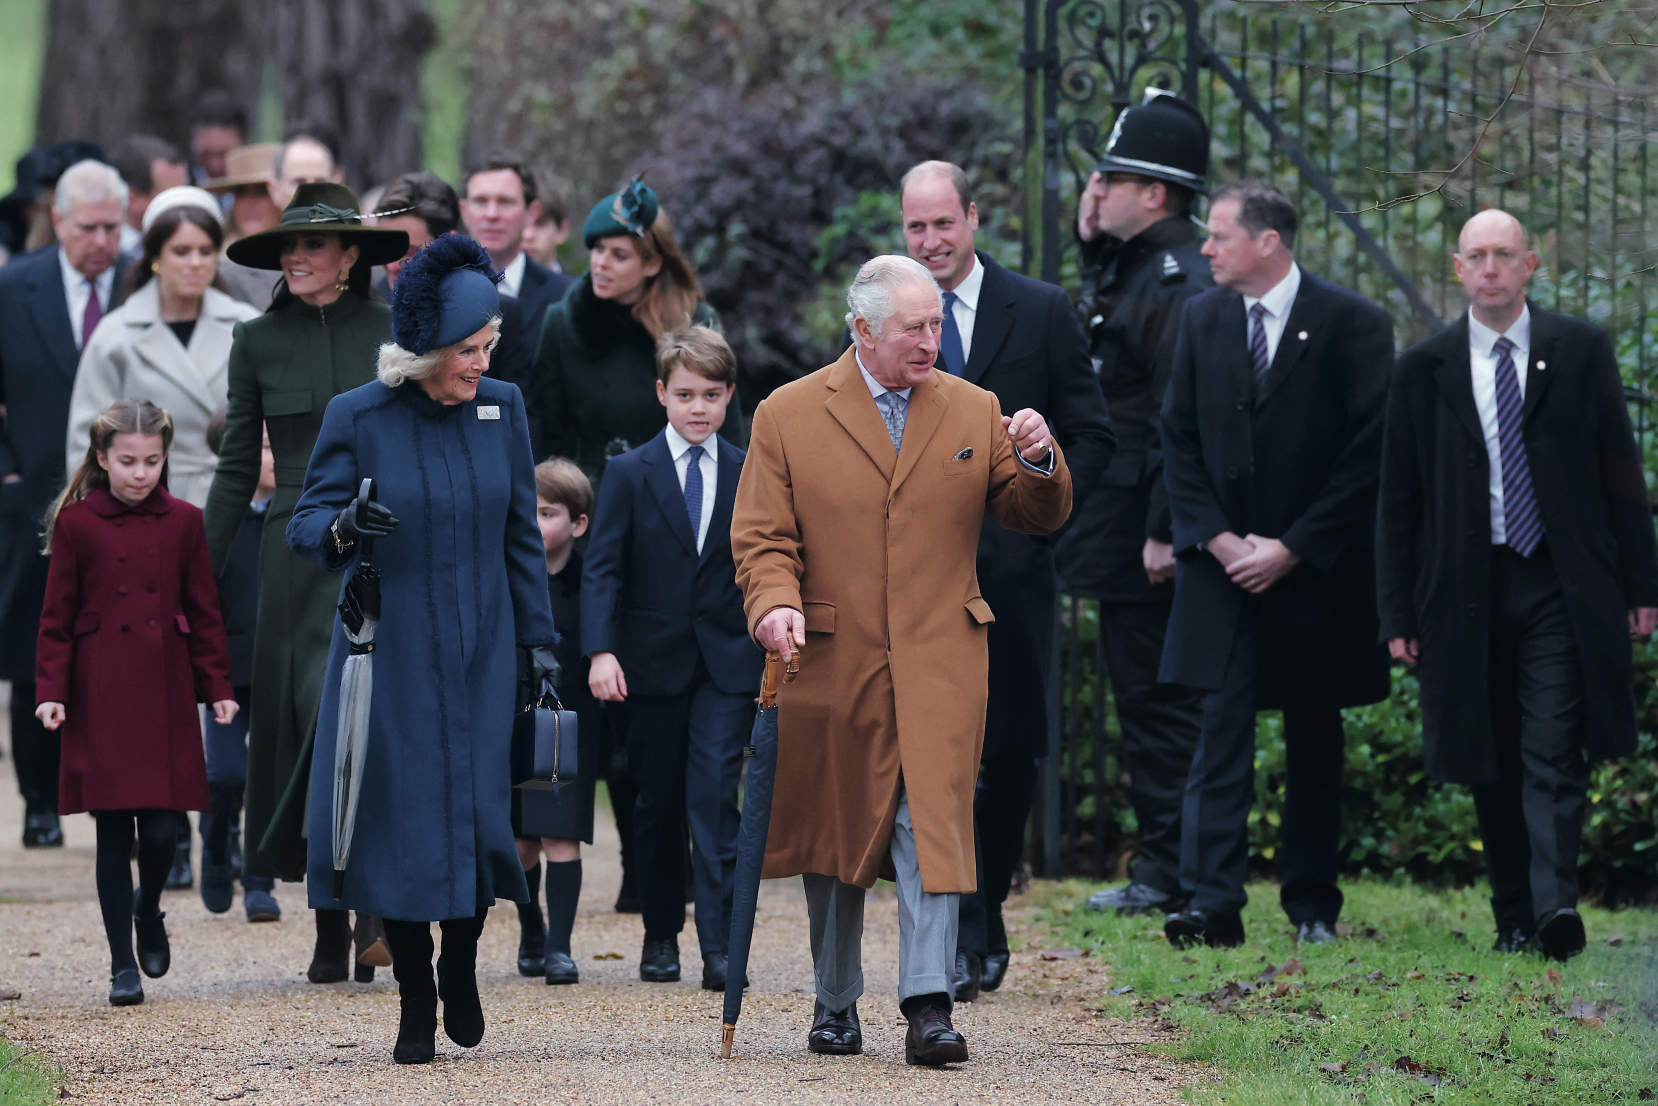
926, 928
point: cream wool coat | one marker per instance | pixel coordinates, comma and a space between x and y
879, 554
134, 355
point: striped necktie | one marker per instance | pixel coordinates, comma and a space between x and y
1520, 516
1258, 342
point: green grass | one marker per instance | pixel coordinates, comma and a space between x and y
26, 1078
22, 48
1415, 979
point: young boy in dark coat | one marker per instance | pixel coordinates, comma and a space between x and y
663, 627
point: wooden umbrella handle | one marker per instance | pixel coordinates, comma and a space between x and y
775, 674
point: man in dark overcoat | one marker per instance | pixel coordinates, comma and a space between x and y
50, 303
1516, 558
1020, 339
1272, 432
1142, 261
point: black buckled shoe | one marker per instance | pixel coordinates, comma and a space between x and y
1560, 934
1131, 899
532, 940
994, 971
932, 1041
1204, 927
125, 988
1314, 933
835, 1032
42, 829
659, 962
1512, 939
969, 972
559, 969
154, 954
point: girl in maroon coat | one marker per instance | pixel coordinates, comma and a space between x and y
130, 641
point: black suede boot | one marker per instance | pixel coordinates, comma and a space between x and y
417, 1026
463, 1013
331, 962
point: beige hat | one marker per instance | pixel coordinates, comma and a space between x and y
254, 164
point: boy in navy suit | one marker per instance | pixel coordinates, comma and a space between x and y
663, 627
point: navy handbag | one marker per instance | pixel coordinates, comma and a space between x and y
544, 743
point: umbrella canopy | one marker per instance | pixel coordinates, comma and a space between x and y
359, 613
751, 837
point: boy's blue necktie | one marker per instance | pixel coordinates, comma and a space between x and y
693, 488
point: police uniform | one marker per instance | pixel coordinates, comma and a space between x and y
1132, 296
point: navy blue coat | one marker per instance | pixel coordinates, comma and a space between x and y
647, 596
463, 579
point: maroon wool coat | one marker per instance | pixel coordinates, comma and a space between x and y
130, 642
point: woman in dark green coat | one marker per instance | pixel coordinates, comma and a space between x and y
595, 367
321, 337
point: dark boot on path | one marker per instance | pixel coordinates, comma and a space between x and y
369, 937
331, 962
417, 992
463, 1013
181, 878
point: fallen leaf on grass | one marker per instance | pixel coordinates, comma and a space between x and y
1554, 977
1614, 942
1126, 989
1646, 1094
1592, 1023
1333, 1069
1054, 954
1288, 967
1343, 929
1413, 975
1550, 1033
607, 956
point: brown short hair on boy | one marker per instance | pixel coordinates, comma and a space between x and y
560, 481
701, 349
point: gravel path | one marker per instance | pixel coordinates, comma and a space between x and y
235, 1019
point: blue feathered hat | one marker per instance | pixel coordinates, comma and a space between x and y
444, 293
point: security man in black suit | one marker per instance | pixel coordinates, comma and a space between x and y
1509, 468
1272, 434
1142, 260
1019, 338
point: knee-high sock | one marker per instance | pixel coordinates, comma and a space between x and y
563, 891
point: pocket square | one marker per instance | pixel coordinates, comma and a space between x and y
963, 455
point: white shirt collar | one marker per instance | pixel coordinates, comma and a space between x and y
968, 290
1280, 296
1483, 338
73, 278
677, 445
876, 388
512, 277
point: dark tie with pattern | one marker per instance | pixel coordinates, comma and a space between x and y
1520, 517
693, 488
949, 343
94, 312
1258, 342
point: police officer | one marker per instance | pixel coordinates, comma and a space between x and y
1140, 265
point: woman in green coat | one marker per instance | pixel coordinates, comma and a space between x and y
321, 337
595, 367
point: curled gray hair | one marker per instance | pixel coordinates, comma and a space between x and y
870, 297
90, 182
398, 364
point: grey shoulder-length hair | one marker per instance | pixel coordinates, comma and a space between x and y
398, 364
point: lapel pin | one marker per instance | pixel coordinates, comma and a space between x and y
491, 412
964, 454
1302, 336
1541, 366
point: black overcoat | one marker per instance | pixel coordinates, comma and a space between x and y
1434, 534
1029, 349
1299, 461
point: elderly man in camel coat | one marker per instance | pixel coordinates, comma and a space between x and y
855, 531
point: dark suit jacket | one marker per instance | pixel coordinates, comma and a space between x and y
1029, 349
648, 596
1299, 461
1434, 534
539, 290
511, 361
38, 360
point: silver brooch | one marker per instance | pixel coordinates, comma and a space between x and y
490, 412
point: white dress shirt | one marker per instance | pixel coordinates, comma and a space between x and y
1482, 362
1278, 301
512, 277
680, 450
966, 308
77, 289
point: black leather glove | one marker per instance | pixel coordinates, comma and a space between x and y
376, 520
543, 665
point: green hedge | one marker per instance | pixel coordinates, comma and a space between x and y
1396, 822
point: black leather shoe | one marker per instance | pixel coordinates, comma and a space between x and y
463, 1013
125, 988
181, 878
1131, 899
1512, 939
969, 972
1204, 927
42, 830
714, 971
994, 971
532, 953
154, 955
218, 887
1560, 934
560, 969
1314, 933
659, 962
932, 1040
835, 1032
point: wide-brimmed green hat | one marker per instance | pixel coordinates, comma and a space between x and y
325, 208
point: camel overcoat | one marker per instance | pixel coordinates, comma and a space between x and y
878, 551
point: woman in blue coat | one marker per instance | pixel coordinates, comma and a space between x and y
463, 582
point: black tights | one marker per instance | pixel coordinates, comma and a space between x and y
157, 833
